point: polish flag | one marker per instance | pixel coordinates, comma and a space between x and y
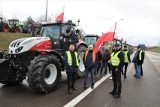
106, 37
60, 15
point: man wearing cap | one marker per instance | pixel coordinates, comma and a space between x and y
72, 37
89, 62
138, 61
71, 61
126, 60
117, 61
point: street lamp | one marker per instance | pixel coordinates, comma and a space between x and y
116, 29
46, 9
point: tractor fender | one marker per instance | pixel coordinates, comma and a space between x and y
82, 44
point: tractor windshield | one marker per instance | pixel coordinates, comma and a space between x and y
90, 40
51, 31
13, 22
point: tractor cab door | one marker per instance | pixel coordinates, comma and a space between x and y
53, 31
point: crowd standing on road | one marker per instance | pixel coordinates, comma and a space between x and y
115, 61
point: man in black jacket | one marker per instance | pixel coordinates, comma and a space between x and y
127, 60
117, 61
138, 61
89, 62
71, 61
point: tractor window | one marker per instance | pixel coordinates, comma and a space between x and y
90, 40
11, 22
16, 22
51, 31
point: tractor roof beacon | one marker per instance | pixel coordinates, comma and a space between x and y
39, 58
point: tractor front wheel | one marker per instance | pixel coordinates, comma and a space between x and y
44, 74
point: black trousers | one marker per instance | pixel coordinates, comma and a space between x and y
116, 77
71, 79
125, 68
141, 70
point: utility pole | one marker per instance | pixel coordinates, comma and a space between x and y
46, 9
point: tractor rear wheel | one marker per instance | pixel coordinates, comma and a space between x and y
44, 73
18, 30
81, 68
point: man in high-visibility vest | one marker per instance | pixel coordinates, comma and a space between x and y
71, 61
89, 62
117, 61
126, 60
138, 61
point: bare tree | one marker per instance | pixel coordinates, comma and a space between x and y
1, 13
42, 18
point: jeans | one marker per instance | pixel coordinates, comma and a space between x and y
104, 65
137, 69
91, 70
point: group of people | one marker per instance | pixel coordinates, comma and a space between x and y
95, 61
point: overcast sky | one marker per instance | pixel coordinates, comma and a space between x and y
141, 22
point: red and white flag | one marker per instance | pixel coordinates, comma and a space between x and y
106, 37
60, 15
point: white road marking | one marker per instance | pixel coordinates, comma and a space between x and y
85, 93
129, 69
153, 55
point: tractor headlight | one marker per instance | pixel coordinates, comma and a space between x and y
19, 49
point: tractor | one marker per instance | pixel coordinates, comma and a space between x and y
3, 26
15, 26
39, 59
91, 39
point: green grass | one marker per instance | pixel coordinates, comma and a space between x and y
155, 49
7, 38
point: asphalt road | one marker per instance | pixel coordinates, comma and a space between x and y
143, 92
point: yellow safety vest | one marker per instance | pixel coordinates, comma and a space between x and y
70, 58
114, 59
140, 55
126, 56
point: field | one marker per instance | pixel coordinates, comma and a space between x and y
155, 49
7, 38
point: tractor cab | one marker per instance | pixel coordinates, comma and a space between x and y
56, 31
91, 39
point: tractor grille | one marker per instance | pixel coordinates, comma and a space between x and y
16, 43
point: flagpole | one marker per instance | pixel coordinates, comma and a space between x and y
115, 31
